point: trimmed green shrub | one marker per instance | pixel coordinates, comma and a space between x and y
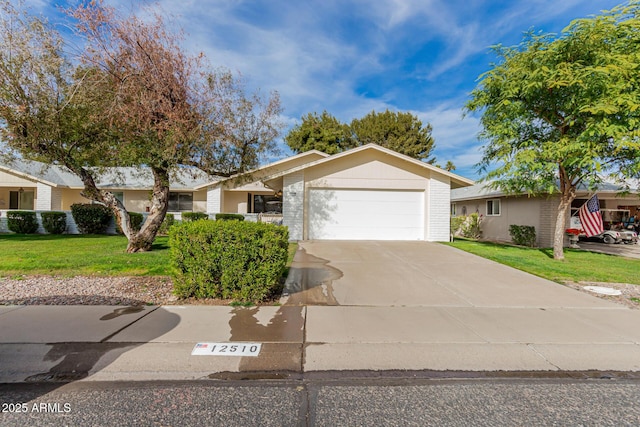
523, 235
54, 222
168, 221
229, 217
91, 218
136, 221
194, 216
228, 259
22, 222
470, 227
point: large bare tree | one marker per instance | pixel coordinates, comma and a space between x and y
131, 97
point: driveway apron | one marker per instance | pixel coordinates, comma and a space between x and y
419, 305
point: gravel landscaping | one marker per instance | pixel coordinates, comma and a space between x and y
94, 290
82, 290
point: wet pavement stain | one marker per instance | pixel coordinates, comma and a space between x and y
123, 311
281, 337
310, 281
286, 325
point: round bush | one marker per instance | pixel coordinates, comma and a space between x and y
229, 217
22, 222
91, 219
54, 222
194, 216
228, 259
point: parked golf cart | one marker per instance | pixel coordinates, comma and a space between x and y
607, 236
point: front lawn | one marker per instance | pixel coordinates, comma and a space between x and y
578, 265
82, 255
79, 255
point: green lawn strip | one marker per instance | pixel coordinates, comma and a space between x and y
578, 265
78, 255
82, 255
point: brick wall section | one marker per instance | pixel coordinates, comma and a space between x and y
214, 200
438, 208
293, 204
43, 197
548, 214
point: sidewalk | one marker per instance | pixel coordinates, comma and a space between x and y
96, 343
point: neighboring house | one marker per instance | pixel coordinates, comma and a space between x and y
366, 193
499, 210
30, 185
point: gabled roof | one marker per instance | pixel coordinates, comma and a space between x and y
51, 175
125, 178
283, 164
455, 179
482, 191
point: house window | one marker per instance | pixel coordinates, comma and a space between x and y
493, 207
267, 204
179, 202
119, 195
21, 199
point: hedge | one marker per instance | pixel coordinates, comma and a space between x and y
136, 221
22, 222
54, 222
194, 216
228, 259
91, 218
229, 217
523, 235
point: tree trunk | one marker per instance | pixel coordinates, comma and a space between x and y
567, 195
143, 239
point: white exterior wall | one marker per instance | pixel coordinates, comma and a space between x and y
438, 206
48, 198
214, 200
43, 197
293, 204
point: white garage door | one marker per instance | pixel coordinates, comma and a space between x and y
366, 215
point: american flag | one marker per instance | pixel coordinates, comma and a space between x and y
590, 217
200, 345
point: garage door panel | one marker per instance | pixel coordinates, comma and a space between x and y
366, 215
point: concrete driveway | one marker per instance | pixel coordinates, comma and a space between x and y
418, 305
404, 274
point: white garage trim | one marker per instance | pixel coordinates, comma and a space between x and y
357, 214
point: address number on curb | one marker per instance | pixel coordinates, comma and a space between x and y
226, 349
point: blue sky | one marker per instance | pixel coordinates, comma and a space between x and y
350, 57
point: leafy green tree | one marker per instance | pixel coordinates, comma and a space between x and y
320, 132
131, 98
401, 132
560, 111
398, 131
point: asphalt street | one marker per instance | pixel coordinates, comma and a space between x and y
338, 401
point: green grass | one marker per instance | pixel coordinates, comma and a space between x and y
82, 255
577, 266
79, 255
